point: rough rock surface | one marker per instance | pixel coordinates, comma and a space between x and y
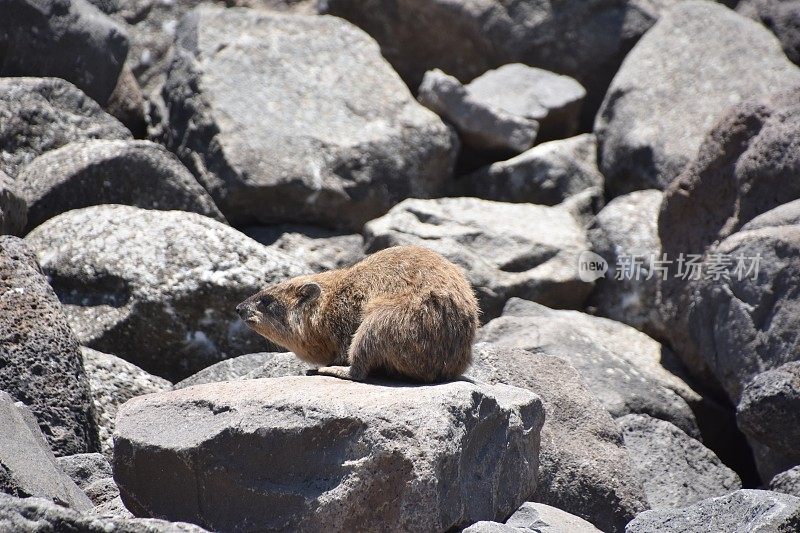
525, 250
13, 210
320, 248
249, 366
746, 166
552, 100
743, 511
328, 454
622, 366
536, 517
769, 409
40, 363
92, 473
585, 39
482, 126
35, 515
68, 39
787, 482
625, 234
138, 173
27, 466
547, 174
157, 288
337, 139
584, 468
676, 470
665, 98
41, 114
113, 382
782, 17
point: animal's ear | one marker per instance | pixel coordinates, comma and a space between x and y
309, 292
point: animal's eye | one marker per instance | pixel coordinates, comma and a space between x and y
267, 300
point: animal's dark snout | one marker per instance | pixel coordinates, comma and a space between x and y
243, 309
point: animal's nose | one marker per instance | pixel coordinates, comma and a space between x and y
242, 310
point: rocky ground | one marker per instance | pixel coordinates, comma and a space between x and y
617, 178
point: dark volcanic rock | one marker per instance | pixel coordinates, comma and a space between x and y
157, 288
337, 139
13, 210
40, 363
676, 469
41, 114
743, 511
584, 468
137, 173
546, 174
622, 366
69, 39
27, 466
329, 454
249, 366
507, 250
320, 248
665, 98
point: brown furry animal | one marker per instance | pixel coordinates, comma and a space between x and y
402, 312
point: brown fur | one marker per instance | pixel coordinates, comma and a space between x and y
404, 311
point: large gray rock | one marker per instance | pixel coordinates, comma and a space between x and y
322, 249
676, 469
782, 17
157, 288
743, 511
27, 466
336, 139
138, 173
249, 366
13, 209
113, 382
584, 468
787, 482
525, 250
552, 100
37, 515
585, 39
547, 174
536, 517
665, 98
746, 166
40, 363
622, 366
69, 39
481, 126
625, 234
769, 409
41, 114
319, 453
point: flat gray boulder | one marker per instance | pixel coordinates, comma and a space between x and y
157, 288
40, 363
536, 517
481, 125
27, 466
743, 511
664, 98
552, 100
320, 453
583, 466
249, 366
13, 209
547, 174
322, 249
622, 366
676, 469
507, 250
625, 234
137, 173
113, 382
41, 114
299, 119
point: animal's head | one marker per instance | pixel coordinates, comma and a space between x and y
280, 312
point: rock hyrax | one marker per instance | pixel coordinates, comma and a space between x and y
401, 312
